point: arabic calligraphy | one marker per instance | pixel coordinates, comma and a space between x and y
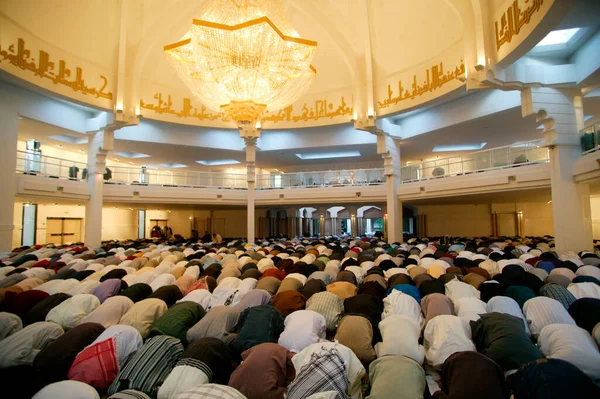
44, 68
321, 109
513, 20
435, 79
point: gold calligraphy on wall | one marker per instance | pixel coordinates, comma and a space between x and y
321, 109
513, 20
435, 78
44, 68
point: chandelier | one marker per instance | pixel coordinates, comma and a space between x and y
243, 58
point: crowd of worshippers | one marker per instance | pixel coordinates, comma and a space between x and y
321, 319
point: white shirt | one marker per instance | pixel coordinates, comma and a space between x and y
584, 290
572, 344
456, 289
400, 303
507, 305
400, 337
302, 328
469, 308
445, 335
542, 311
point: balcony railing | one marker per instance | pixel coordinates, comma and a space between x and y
518, 154
590, 139
58, 168
178, 178
331, 178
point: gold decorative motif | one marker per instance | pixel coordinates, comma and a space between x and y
44, 68
434, 80
514, 19
322, 109
187, 111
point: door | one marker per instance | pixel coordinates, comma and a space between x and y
219, 227
63, 230
53, 231
71, 230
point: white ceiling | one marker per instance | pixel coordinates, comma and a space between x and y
496, 130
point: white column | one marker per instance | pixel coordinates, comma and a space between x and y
100, 144
390, 153
251, 178
9, 130
561, 113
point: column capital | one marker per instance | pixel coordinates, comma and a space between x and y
249, 131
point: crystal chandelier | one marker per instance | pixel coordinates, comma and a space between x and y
242, 57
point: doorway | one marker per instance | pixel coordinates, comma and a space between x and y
63, 230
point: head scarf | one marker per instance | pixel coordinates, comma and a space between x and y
289, 301
400, 336
356, 332
436, 304
471, 375
265, 372
269, 284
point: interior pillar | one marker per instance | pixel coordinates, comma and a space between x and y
561, 114
100, 144
250, 135
9, 126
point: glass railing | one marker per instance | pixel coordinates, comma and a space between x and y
164, 177
331, 178
590, 138
518, 154
34, 163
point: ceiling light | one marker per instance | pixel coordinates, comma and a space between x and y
587, 118
459, 147
132, 154
217, 162
243, 57
173, 165
325, 155
558, 37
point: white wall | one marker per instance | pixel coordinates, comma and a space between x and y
119, 223
595, 206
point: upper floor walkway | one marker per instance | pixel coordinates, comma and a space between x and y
518, 166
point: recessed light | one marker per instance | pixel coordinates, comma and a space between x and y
561, 36
459, 147
326, 155
217, 162
173, 165
132, 154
